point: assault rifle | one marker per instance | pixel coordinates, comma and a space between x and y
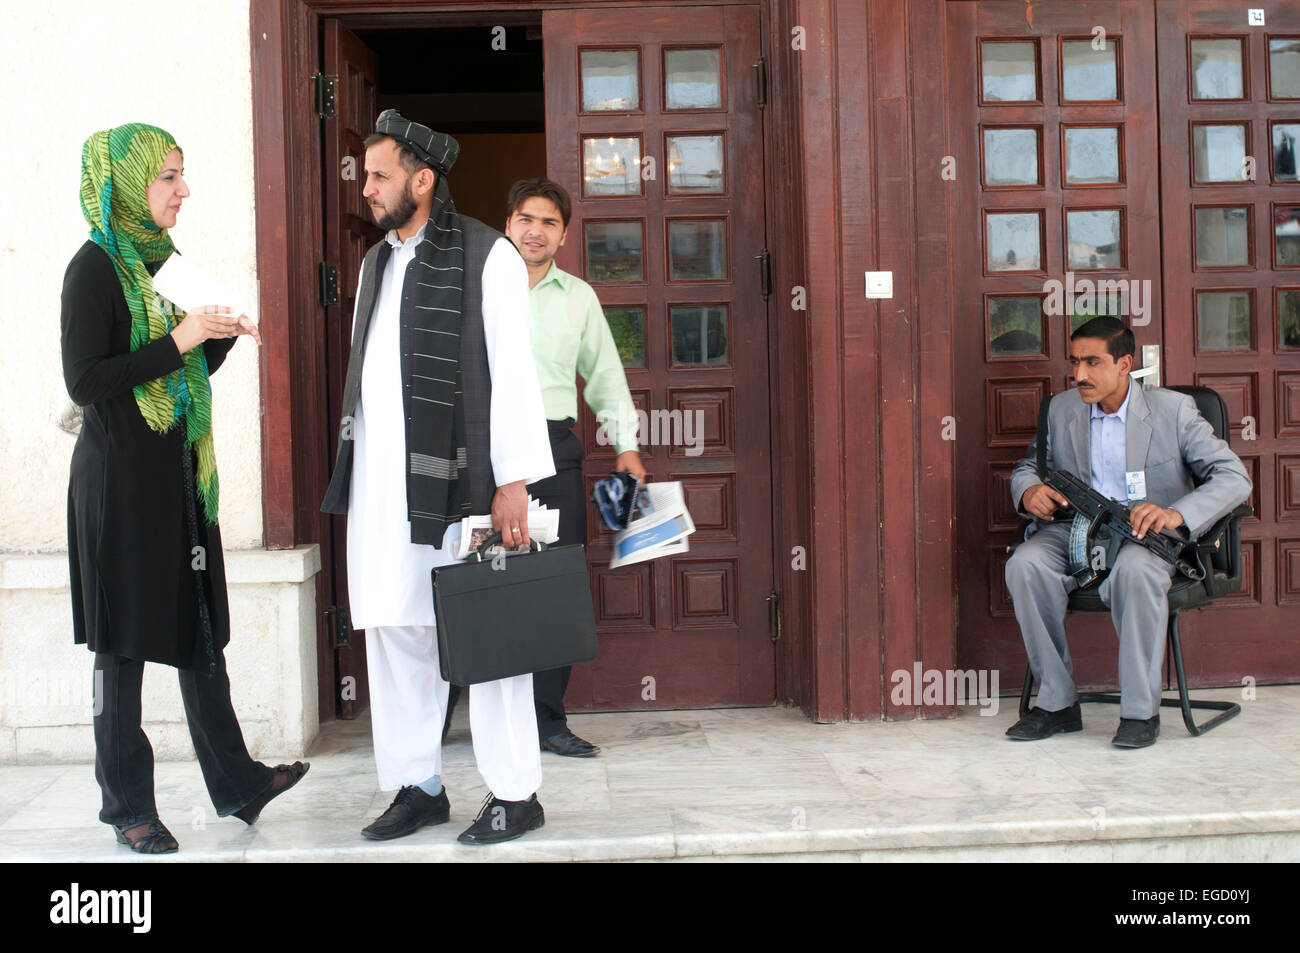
1093, 511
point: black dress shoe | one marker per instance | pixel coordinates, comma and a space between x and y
570, 745
157, 840
410, 810
500, 820
1137, 732
1040, 723
293, 772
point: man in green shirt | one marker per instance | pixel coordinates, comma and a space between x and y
570, 335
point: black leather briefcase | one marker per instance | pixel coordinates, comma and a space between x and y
520, 613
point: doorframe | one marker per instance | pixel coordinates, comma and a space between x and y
297, 450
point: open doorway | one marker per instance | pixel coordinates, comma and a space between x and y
482, 84
655, 126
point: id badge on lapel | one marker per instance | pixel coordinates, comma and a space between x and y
1135, 481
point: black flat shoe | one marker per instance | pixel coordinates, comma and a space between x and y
570, 745
410, 810
1040, 723
250, 811
500, 820
157, 840
1137, 732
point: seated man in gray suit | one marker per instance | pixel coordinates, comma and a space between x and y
1142, 447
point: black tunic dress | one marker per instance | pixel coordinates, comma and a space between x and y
132, 563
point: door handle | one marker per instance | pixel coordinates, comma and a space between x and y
1150, 373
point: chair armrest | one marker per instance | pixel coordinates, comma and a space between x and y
1220, 548
1212, 537
1019, 537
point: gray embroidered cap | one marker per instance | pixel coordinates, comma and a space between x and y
438, 149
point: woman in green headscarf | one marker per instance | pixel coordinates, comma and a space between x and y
147, 575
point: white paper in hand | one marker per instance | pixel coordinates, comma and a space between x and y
188, 286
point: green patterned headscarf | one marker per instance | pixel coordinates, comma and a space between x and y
117, 166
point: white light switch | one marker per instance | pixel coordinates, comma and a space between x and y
880, 284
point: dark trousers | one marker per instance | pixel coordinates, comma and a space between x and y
561, 492
124, 757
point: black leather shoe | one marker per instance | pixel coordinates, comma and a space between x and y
156, 840
500, 820
293, 774
1137, 732
570, 745
410, 810
1040, 723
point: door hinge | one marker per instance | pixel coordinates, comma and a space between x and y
329, 284
774, 617
760, 78
340, 626
764, 260
323, 89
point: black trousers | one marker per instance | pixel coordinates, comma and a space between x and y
124, 757
563, 492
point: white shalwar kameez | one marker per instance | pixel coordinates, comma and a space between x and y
389, 576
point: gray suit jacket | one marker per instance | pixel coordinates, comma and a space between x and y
1166, 436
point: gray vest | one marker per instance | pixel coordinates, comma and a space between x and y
476, 379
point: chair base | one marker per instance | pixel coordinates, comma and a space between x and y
1227, 710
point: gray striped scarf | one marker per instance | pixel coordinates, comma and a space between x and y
432, 392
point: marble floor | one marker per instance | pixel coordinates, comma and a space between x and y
758, 784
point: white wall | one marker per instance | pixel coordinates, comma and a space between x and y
72, 67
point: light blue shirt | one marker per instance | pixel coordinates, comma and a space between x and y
1106, 449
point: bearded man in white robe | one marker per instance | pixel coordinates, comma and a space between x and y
442, 417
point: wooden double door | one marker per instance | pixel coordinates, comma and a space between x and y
653, 125
1134, 158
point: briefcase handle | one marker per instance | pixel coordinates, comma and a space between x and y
477, 554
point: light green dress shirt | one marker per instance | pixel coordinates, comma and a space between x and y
570, 335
